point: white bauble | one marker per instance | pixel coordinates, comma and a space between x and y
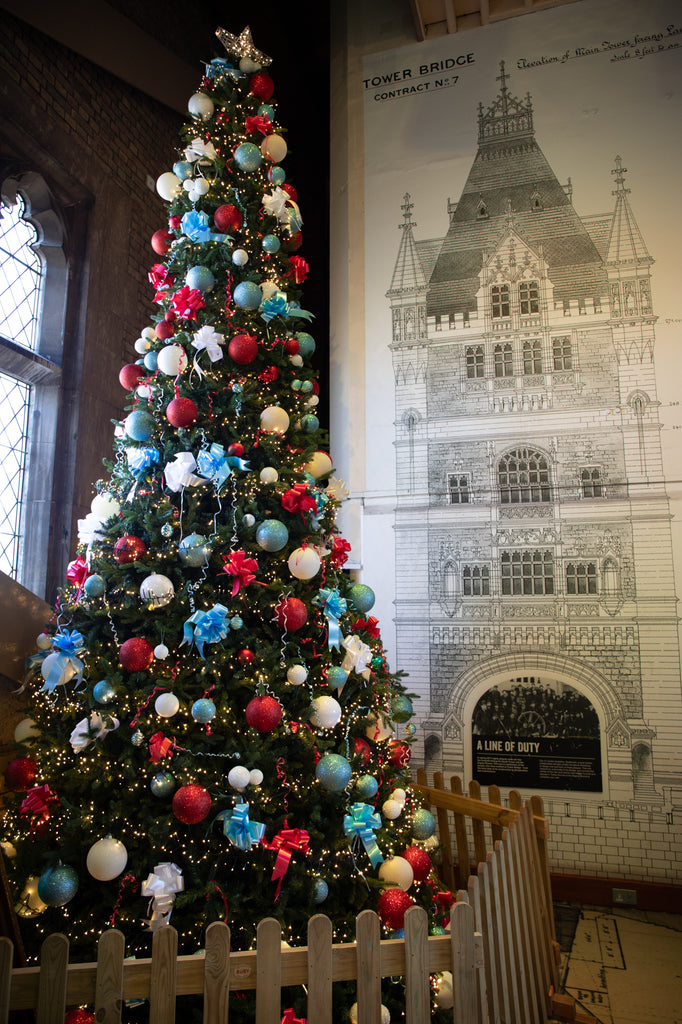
68, 672
297, 675
391, 809
30, 903
319, 465
240, 257
172, 360
144, 391
312, 401
274, 148
255, 777
149, 333
304, 563
156, 590
26, 729
325, 712
268, 288
106, 859
296, 360
444, 995
274, 419
168, 185
104, 506
239, 777
379, 729
400, 795
166, 705
43, 641
161, 652
397, 871
201, 106
142, 346
269, 475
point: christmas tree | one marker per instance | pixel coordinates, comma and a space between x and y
214, 733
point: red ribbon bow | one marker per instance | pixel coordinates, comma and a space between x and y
257, 124
36, 802
370, 625
286, 842
242, 568
299, 269
77, 572
159, 746
162, 280
187, 301
340, 552
297, 500
290, 1018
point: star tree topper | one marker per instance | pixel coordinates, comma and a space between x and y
242, 46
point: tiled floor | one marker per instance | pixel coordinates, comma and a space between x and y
622, 965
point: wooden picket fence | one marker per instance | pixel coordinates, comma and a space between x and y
501, 948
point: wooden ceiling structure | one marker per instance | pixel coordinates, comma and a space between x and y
434, 18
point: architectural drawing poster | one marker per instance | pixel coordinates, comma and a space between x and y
522, 510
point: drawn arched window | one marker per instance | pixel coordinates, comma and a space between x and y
32, 302
610, 576
503, 360
535, 201
591, 483
523, 476
581, 578
499, 299
481, 210
475, 361
459, 489
562, 353
450, 587
529, 297
528, 573
409, 323
532, 356
476, 581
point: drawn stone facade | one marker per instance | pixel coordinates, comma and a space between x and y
532, 523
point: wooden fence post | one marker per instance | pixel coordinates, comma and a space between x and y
217, 974
319, 970
269, 972
54, 961
368, 941
109, 983
163, 984
417, 987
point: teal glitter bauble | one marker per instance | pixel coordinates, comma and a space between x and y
306, 344
401, 708
362, 597
203, 710
95, 586
162, 785
248, 156
58, 885
333, 772
423, 824
194, 550
271, 243
321, 890
139, 425
366, 787
104, 692
247, 295
272, 535
200, 278
336, 677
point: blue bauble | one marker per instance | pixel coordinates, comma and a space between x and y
306, 344
295, 384
95, 586
236, 622
277, 175
321, 890
200, 278
248, 156
58, 885
267, 110
150, 361
423, 824
333, 772
162, 785
336, 677
401, 708
247, 295
310, 423
362, 597
104, 691
272, 535
183, 169
203, 710
194, 550
366, 787
306, 386
139, 425
271, 243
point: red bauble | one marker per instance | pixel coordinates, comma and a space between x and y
392, 907
191, 803
269, 375
419, 861
129, 549
399, 754
363, 749
291, 614
246, 656
227, 218
243, 349
181, 412
161, 241
293, 243
20, 774
236, 449
262, 86
79, 1016
290, 191
264, 713
130, 375
164, 330
136, 654
291, 346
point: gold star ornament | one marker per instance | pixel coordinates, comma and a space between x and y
242, 46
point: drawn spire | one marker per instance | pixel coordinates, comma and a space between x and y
626, 246
408, 273
507, 116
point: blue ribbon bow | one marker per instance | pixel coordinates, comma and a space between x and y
142, 459
214, 465
361, 824
67, 664
241, 832
333, 606
194, 225
278, 305
206, 628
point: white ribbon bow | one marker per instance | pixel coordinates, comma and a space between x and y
209, 339
162, 884
180, 472
90, 529
91, 729
198, 149
358, 656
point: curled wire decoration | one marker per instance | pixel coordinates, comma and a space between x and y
283, 647
234, 539
358, 713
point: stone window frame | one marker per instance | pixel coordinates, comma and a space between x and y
524, 477
476, 581
459, 486
527, 573
584, 575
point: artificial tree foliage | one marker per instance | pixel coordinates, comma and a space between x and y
213, 732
